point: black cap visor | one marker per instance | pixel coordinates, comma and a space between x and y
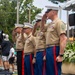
48, 10
38, 20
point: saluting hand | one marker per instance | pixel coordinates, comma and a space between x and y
43, 21
14, 33
35, 25
44, 17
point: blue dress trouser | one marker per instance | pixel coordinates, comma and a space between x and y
28, 66
52, 67
40, 64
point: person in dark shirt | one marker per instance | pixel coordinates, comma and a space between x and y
5, 52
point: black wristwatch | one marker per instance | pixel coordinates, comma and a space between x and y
61, 55
34, 57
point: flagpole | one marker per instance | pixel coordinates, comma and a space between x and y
67, 25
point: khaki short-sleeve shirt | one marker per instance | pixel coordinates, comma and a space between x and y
29, 44
40, 40
54, 30
19, 42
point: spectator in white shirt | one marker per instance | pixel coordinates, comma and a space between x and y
12, 57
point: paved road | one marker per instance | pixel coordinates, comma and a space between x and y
17, 74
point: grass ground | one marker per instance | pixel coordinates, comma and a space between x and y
14, 74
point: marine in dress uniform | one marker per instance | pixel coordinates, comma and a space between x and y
18, 40
29, 50
40, 47
55, 41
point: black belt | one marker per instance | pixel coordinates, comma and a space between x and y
41, 49
50, 45
19, 49
28, 53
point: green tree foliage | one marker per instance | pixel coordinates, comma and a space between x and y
8, 14
28, 6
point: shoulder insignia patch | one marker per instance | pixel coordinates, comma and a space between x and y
63, 27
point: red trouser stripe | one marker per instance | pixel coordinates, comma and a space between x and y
44, 64
32, 70
22, 62
55, 65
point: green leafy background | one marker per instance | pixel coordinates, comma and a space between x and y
69, 55
8, 14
